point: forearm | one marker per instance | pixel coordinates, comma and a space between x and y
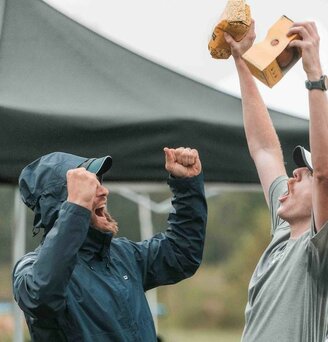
62, 243
262, 140
318, 102
41, 286
187, 222
169, 257
318, 106
259, 129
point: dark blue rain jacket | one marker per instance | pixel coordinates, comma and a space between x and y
84, 285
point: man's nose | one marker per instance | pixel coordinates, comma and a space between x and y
297, 173
103, 191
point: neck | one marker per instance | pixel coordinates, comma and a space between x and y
299, 228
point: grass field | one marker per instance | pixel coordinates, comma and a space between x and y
176, 336
201, 336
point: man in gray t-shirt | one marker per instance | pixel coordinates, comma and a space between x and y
287, 290
287, 298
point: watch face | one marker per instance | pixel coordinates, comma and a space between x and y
325, 82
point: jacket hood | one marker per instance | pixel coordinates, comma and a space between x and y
42, 185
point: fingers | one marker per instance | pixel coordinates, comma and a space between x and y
81, 187
250, 35
182, 162
169, 155
238, 48
186, 156
307, 32
304, 29
251, 31
308, 44
182, 155
228, 38
82, 175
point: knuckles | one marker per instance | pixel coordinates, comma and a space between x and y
82, 174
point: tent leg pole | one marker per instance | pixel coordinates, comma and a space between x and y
146, 232
18, 248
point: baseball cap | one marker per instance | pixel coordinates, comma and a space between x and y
302, 157
98, 165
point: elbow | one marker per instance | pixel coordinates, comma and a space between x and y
193, 269
40, 309
39, 303
320, 175
191, 266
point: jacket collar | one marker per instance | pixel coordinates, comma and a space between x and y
97, 243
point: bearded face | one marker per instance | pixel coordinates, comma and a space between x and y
103, 221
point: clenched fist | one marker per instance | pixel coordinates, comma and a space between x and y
81, 187
182, 162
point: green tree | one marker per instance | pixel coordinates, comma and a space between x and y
230, 216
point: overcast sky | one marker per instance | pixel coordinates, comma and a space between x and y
176, 34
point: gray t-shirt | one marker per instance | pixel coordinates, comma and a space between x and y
287, 296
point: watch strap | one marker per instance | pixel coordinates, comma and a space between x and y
320, 84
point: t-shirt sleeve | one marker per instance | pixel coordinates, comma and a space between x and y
277, 188
319, 247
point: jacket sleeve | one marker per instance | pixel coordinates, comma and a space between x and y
40, 278
176, 254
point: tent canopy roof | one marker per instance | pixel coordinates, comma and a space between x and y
65, 88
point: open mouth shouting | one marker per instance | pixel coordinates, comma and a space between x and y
102, 220
283, 198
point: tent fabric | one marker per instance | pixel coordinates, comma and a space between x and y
65, 88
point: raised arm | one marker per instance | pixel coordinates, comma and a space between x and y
318, 107
176, 254
262, 140
41, 277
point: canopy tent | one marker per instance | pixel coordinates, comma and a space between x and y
65, 88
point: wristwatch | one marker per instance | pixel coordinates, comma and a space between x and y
321, 84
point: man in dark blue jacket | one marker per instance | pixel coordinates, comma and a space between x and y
81, 284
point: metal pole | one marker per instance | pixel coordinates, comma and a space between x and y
18, 248
146, 232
